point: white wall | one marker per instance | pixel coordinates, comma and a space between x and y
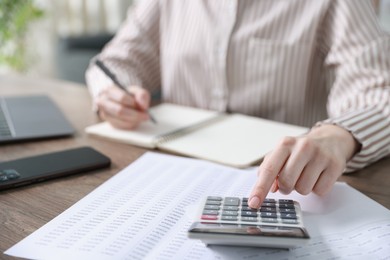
69, 18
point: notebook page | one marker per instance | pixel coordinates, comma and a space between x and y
237, 140
170, 118
145, 210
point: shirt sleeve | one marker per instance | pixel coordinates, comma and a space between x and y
133, 54
357, 57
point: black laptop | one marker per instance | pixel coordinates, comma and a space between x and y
31, 117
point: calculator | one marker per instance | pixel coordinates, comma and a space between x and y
230, 221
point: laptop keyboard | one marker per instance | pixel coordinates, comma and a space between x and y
5, 130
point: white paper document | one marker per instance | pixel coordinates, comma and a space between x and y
145, 210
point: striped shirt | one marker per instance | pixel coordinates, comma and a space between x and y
302, 62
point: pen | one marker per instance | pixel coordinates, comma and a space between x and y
112, 76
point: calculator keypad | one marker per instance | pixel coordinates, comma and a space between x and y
236, 210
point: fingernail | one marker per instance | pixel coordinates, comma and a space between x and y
274, 187
254, 202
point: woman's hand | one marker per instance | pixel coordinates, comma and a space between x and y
312, 162
121, 109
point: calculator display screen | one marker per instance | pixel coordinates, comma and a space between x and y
251, 230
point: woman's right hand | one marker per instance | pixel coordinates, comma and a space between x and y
121, 109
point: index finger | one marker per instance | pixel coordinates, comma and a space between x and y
141, 97
268, 171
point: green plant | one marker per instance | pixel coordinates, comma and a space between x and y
15, 16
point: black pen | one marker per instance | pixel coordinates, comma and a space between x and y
112, 76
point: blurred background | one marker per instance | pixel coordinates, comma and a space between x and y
57, 38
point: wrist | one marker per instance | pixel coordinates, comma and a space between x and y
341, 137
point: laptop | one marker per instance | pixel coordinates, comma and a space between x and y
31, 117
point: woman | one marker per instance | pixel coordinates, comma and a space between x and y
318, 63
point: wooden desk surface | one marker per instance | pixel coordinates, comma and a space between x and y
25, 209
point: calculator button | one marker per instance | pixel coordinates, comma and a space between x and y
249, 219
209, 217
235, 208
266, 200
213, 202
214, 198
210, 212
212, 207
283, 210
269, 204
288, 215
245, 208
229, 213
268, 215
232, 201
267, 209
286, 206
281, 201
229, 218
290, 221
269, 220
248, 214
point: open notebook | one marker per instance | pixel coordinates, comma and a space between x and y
231, 139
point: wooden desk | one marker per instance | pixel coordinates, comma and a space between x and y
25, 209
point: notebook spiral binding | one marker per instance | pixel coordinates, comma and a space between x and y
183, 131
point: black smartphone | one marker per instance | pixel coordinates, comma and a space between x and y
50, 165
